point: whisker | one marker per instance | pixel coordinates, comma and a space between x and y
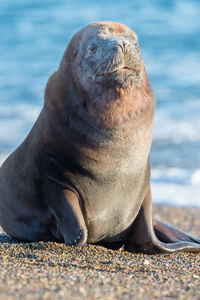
94, 70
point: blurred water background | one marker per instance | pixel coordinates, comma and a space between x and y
33, 37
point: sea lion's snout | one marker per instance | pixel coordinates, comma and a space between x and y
116, 62
123, 56
112, 61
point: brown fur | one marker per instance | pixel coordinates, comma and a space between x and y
82, 175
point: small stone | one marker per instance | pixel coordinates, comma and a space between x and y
146, 262
83, 291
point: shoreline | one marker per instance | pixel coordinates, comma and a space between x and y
56, 271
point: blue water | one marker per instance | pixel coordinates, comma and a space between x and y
33, 37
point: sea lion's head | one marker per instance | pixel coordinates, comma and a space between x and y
103, 71
105, 53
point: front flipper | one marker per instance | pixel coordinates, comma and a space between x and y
158, 237
65, 205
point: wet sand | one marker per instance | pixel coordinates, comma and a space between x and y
56, 271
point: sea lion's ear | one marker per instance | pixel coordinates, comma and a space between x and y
137, 47
75, 52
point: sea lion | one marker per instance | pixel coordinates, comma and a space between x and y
82, 175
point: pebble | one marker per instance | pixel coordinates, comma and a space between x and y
146, 262
56, 271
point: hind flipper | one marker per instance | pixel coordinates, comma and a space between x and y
169, 234
158, 237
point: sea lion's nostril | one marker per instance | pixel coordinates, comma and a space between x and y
127, 47
117, 46
120, 46
123, 47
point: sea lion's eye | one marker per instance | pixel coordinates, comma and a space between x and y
136, 47
92, 48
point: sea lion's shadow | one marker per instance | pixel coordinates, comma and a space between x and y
5, 239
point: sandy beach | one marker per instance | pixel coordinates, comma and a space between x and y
56, 271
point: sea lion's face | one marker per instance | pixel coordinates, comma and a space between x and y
107, 54
103, 74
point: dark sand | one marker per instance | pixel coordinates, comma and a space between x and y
55, 271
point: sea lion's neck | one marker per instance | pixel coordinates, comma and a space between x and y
104, 133
114, 108
103, 109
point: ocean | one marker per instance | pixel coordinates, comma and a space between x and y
33, 37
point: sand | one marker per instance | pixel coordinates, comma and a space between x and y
56, 271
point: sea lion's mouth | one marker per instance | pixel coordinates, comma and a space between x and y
119, 70
119, 77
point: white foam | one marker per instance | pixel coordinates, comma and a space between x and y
195, 178
175, 194
169, 173
16, 122
176, 186
179, 123
26, 111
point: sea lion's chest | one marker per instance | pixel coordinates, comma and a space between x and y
111, 178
